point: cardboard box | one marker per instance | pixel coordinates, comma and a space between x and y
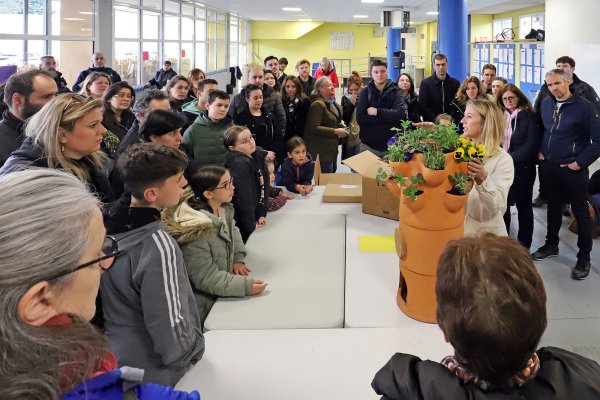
342, 193
339, 188
376, 198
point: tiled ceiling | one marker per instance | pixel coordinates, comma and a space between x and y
344, 10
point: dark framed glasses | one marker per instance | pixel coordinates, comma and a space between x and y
109, 252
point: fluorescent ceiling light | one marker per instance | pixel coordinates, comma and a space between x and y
372, 1
86, 12
360, 16
74, 19
432, 13
291, 8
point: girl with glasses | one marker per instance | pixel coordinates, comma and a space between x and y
211, 243
48, 293
522, 137
246, 163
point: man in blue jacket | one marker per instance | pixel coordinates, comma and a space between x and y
98, 65
571, 143
380, 107
437, 92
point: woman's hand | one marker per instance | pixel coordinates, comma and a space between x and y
262, 221
341, 132
240, 269
270, 156
477, 171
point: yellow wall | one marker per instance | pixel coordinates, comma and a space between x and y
481, 25
314, 45
426, 33
517, 13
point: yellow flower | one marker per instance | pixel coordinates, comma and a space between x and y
459, 153
472, 152
463, 142
481, 150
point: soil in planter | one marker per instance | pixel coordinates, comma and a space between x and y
455, 192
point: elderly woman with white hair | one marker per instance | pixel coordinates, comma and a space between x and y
53, 250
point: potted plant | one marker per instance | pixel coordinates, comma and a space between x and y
430, 176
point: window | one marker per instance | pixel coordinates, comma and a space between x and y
529, 22
501, 29
127, 22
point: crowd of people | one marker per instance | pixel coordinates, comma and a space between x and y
163, 189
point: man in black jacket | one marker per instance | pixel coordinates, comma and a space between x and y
437, 92
48, 64
577, 86
162, 76
571, 143
25, 94
380, 107
98, 65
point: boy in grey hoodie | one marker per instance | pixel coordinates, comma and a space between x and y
151, 318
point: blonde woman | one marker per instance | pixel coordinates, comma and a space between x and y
66, 134
483, 123
95, 85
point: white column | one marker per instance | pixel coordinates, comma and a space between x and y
572, 29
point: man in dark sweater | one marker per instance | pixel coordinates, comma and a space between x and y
437, 91
48, 64
162, 76
98, 65
25, 94
571, 143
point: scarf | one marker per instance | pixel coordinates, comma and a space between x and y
508, 128
520, 378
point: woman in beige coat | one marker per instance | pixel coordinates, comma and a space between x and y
323, 128
483, 123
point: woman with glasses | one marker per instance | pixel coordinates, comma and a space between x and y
211, 243
323, 130
117, 115
66, 134
522, 137
53, 250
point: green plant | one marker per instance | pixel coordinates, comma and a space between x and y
435, 160
460, 183
410, 183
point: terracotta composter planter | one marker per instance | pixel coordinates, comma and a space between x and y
426, 225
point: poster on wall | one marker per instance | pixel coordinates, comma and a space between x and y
341, 40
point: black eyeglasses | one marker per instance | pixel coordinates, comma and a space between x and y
226, 185
109, 251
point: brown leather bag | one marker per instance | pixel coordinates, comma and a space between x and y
594, 215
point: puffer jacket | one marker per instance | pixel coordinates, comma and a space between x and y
210, 247
204, 140
271, 102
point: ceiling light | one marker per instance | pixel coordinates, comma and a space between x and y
86, 12
432, 13
372, 1
74, 19
291, 8
360, 16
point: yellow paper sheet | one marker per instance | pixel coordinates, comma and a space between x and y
376, 244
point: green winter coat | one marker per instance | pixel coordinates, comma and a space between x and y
204, 140
210, 248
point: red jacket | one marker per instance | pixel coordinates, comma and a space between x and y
330, 73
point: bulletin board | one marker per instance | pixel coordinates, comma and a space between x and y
481, 56
341, 40
532, 69
504, 60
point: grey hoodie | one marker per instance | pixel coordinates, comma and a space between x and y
151, 319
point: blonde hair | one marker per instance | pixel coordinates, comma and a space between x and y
85, 86
492, 121
63, 112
